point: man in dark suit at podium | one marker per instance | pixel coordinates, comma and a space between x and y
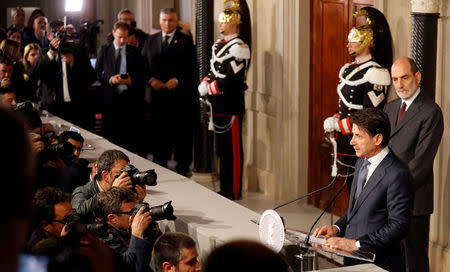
170, 56
417, 127
380, 199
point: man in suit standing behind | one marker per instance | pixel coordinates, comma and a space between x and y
170, 56
417, 124
119, 69
380, 199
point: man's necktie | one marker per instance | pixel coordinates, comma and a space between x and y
166, 41
361, 178
401, 112
118, 61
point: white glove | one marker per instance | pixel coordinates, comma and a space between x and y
203, 88
331, 124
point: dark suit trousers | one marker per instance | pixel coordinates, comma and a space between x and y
415, 245
231, 156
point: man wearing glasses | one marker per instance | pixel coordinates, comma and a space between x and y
109, 175
127, 232
52, 209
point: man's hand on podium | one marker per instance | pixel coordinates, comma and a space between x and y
342, 243
326, 231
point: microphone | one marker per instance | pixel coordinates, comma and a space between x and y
308, 194
324, 210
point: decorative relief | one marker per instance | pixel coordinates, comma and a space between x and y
425, 6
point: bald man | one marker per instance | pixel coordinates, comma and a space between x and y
417, 127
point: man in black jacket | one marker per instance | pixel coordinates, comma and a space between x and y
127, 228
170, 56
119, 71
65, 73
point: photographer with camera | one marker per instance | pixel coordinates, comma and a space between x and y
128, 233
52, 212
77, 172
65, 73
109, 175
49, 153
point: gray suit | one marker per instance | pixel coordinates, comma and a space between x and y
415, 141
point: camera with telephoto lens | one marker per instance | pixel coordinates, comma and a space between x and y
54, 151
146, 177
161, 212
157, 213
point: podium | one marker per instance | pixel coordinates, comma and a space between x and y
273, 233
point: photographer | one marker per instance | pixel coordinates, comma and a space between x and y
109, 166
45, 147
52, 210
77, 172
65, 74
125, 231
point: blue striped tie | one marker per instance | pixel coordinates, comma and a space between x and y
361, 178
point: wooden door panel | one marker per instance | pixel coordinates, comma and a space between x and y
331, 22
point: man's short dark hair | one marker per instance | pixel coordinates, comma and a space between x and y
6, 61
44, 202
243, 255
107, 160
374, 121
122, 11
4, 91
66, 135
168, 10
30, 117
121, 26
168, 248
111, 201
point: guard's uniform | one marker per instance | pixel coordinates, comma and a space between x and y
226, 86
361, 85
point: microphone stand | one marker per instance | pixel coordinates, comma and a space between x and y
323, 212
308, 194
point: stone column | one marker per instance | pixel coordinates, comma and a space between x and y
424, 15
204, 29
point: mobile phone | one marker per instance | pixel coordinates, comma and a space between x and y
123, 76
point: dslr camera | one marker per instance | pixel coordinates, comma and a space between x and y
157, 213
146, 177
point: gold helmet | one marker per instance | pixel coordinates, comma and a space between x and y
362, 34
375, 34
231, 13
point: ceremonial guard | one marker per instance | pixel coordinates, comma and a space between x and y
364, 83
224, 87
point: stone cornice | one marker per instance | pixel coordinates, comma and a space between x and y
425, 6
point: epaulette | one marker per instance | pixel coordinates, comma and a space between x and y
240, 51
378, 76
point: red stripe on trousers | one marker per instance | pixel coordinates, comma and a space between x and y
236, 157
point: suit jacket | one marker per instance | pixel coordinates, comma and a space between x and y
177, 61
415, 141
380, 216
79, 77
105, 69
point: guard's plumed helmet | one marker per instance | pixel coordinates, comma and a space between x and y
375, 34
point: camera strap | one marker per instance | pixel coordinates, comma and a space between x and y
120, 237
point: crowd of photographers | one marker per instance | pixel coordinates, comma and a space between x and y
86, 217
91, 217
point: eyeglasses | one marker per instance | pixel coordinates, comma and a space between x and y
64, 220
130, 212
